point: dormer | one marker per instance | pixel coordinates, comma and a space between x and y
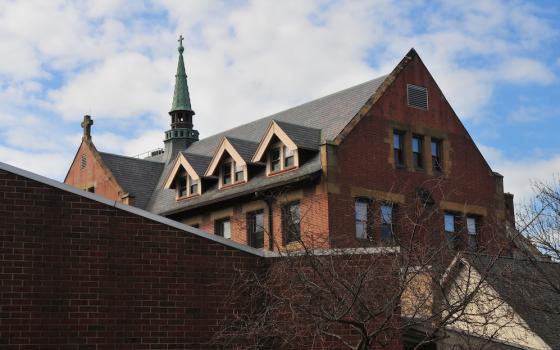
283, 145
231, 161
186, 175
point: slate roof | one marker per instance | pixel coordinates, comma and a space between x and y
246, 149
138, 177
531, 288
198, 162
308, 125
304, 137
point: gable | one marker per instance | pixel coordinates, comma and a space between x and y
489, 314
94, 175
390, 102
180, 163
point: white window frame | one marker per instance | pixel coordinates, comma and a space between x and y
188, 179
233, 167
283, 151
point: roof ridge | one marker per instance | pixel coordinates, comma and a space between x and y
294, 107
129, 157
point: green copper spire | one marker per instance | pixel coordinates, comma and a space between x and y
181, 98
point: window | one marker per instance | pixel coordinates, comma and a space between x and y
186, 185
288, 157
291, 221
231, 172
255, 229
417, 152
417, 96
226, 173
449, 227
239, 176
222, 228
281, 158
387, 223
471, 234
437, 164
275, 159
182, 185
362, 218
195, 225
91, 189
398, 148
193, 186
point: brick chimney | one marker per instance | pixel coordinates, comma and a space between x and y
509, 208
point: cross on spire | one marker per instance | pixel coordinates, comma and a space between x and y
181, 48
86, 125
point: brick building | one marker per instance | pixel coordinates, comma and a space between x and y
336, 171
79, 271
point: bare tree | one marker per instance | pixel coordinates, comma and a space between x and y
366, 296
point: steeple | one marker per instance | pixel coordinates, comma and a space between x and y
181, 135
181, 98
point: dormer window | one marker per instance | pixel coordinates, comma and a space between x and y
226, 172
183, 178
231, 172
285, 145
187, 186
193, 185
238, 172
280, 158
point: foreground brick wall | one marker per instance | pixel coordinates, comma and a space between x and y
79, 273
76, 273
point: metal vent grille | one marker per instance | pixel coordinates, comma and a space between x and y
417, 96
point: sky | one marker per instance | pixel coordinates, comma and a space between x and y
497, 62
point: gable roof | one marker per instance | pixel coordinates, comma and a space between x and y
327, 115
304, 137
136, 176
531, 288
198, 163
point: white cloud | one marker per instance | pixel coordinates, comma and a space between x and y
123, 86
245, 60
520, 174
525, 70
50, 164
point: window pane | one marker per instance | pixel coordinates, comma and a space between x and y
449, 220
182, 186
288, 152
386, 214
397, 148
256, 229
226, 173
396, 141
471, 226
226, 229
416, 145
238, 172
361, 218
292, 222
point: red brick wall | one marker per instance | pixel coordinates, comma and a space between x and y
76, 273
93, 175
364, 158
80, 274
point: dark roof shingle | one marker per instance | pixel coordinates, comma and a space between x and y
531, 288
138, 177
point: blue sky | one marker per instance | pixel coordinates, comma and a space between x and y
498, 63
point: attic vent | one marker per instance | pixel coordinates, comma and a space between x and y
83, 163
417, 96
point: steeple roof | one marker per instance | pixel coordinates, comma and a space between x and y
181, 98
